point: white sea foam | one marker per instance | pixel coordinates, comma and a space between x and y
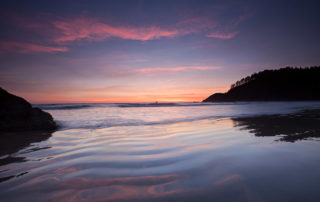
94, 116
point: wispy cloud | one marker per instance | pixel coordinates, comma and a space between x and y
93, 30
62, 31
229, 179
20, 47
229, 30
90, 29
218, 35
176, 69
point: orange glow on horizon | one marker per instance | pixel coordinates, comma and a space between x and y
197, 95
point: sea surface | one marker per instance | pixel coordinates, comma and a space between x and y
242, 151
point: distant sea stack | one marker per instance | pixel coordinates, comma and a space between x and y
16, 114
285, 84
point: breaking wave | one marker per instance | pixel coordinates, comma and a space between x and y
62, 106
94, 116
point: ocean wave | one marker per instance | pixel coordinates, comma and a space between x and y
129, 105
147, 104
140, 114
185, 104
62, 106
64, 125
111, 123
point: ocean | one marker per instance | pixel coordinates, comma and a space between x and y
241, 151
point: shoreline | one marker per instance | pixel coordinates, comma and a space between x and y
290, 127
219, 155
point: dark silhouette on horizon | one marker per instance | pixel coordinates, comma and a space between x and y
16, 114
285, 84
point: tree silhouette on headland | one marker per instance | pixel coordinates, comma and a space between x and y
285, 84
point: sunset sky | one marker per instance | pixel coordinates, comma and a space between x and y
147, 51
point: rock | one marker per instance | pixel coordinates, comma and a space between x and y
16, 114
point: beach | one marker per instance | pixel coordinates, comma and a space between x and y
243, 151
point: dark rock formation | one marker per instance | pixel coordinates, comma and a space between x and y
286, 84
289, 127
16, 114
12, 142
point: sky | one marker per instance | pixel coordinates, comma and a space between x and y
146, 51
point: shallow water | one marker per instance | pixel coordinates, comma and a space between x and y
164, 156
95, 116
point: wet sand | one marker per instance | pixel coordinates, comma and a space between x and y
259, 158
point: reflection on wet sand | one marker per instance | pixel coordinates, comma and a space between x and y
169, 187
291, 127
161, 162
12, 142
205, 160
104, 189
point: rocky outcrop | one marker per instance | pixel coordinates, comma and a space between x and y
286, 84
16, 114
288, 127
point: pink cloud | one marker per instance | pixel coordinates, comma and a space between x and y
176, 69
66, 30
93, 30
218, 35
61, 30
229, 179
11, 46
